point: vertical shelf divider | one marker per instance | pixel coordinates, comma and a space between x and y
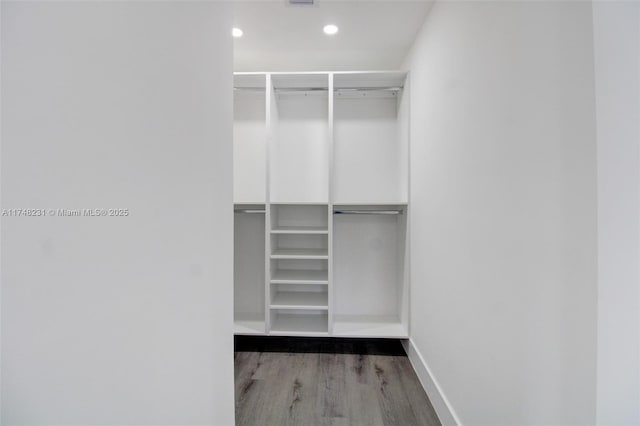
330, 207
271, 114
404, 112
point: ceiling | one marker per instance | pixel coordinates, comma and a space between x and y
374, 34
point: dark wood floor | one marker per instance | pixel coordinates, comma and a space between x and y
300, 381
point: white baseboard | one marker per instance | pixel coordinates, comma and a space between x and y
440, 403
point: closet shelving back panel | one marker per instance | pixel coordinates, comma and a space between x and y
249, 272
369, 142
249, 139
326, 157
370, 286
299, 151
370, 186
250, 197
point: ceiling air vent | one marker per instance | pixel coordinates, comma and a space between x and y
302, 2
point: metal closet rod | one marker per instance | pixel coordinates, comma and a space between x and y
250, 211
385, 212
370, 89
341, 211
340, 90
322, 89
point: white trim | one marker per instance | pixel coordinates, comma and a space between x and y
441, 404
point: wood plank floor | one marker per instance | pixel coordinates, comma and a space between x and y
303, 381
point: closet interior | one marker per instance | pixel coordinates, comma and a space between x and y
321, 166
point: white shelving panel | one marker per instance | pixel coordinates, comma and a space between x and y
299, 276
324, 156
369, 326
300, 230
249, 324
299, 154
249, 138
369, 271
299, 216
299, 323
300, 253
299, 300
370, 161
249, 271
372, 204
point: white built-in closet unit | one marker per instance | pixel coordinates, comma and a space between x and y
321, 204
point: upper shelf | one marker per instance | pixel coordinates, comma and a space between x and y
283, 81
300, 230
320, 80
300, 253
381, 80
299, 276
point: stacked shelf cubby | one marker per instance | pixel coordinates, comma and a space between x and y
321, 201
299, 257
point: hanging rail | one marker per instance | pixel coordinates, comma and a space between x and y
250, 211
321, 89
301, 89
385, 212
369, 89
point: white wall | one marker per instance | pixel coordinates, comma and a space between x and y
503, 196
117, 320
617, 73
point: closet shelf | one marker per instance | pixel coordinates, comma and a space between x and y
300, 230
300, 300
378, 212
288, 276
299, 203
249, 324
369, 326
286, 324
373, 204
300, 253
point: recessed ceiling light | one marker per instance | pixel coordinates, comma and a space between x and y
237, 32
330, 29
